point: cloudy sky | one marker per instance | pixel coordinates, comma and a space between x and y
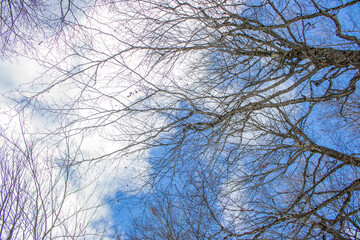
93, 188
83, 136
90, 109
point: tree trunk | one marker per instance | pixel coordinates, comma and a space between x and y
327, 57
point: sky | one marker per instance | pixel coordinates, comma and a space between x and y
92, 188
98, 191
83, 118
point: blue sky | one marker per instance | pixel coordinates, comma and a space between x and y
87, 116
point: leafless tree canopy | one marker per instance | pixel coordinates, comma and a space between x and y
30, 200
26, 24
247, 111
255, 115
37, 196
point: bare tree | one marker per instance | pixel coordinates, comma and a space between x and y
37, 199
24, 25
238, 88
188, 209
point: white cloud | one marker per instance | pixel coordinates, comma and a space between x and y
107, 144
101, 109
